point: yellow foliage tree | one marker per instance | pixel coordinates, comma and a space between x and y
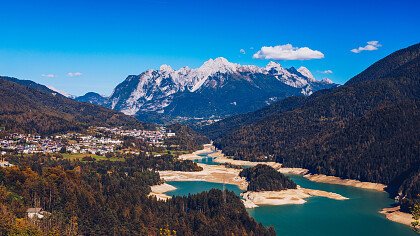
22, 227
416, 216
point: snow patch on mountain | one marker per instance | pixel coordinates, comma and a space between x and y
326, 81
64, 93
305, 72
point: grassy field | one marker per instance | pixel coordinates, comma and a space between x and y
74, 156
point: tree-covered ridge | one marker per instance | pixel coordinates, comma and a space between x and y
389, 65
28, 109
364, 130
164, 162
185, 139
110, 198
265, 178
232, 123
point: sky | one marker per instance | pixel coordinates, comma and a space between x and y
80, 45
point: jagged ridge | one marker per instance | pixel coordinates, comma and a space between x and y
218, 87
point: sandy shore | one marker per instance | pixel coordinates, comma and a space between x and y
222, 174
293, 171
210, 173
159, 191
347, 182
394, 214
284, 197
208, 148
219, 157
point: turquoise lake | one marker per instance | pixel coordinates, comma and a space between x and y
319, 216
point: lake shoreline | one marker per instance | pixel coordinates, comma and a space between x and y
207, 148
394, 214
219, 157
210, 173
347, 182
285, 197
159, 191
256, 199
223, 174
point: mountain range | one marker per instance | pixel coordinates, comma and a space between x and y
367, 129
217, 88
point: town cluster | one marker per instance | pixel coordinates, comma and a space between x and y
98, 140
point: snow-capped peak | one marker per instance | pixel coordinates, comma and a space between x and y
305, 72
166, 68
273, 65
219, 64
153, 90
326, 81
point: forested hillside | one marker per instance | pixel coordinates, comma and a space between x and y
227, 125
367, 129
185, 139
110, 198
32, 109
30, 84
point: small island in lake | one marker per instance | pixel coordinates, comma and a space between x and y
265, 178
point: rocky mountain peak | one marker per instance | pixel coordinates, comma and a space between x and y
166, 68
305, 72
273, 65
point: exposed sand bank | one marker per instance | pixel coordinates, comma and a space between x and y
210, 173
285, 197
208, 148
293, 171
222, 174
394, 214
347, 182
159, 191
219, 157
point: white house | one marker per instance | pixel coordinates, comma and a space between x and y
36, 213
4, 163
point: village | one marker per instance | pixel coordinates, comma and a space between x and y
97, 140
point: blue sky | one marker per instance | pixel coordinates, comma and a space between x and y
101, 42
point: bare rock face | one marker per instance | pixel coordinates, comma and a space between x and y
217, 88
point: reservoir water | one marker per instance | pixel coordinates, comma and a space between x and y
206, 160
319, 216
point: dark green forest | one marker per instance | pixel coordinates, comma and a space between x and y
185, 139
265, 178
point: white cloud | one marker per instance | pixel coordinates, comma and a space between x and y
242, 51
287, 52
326, 72
48, 75
74, 74
371, 46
